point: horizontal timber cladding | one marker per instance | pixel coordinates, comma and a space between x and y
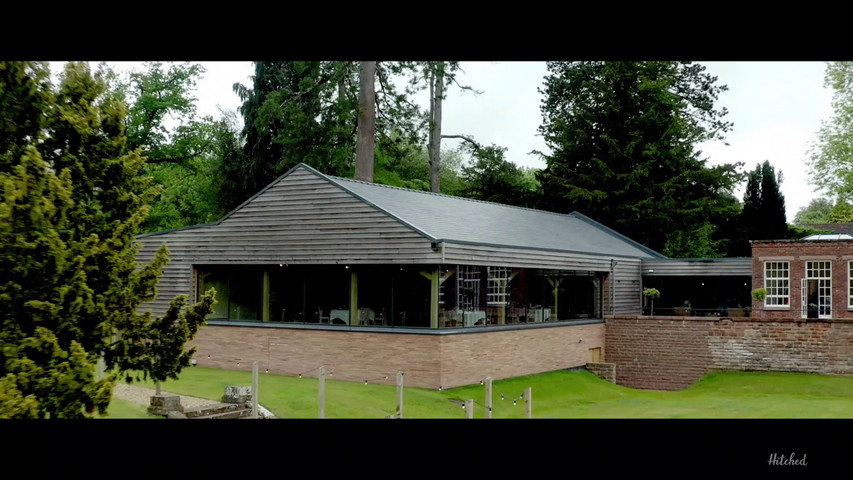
698, 267
627, 297
302, 219
464, 254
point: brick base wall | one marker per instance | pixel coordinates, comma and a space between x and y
429, 361
605, 371
663, 353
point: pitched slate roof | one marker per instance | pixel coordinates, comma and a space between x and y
455, 219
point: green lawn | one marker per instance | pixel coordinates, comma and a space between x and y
560, 394
124, 409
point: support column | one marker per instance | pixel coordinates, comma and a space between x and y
265, 312
433, 301
353, 299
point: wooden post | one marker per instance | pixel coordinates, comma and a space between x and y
488, 383
100, 368
433, 299
469, 408
321, 380
399, 394
528, 403
265, 311
255, 389
322, 387
353, 300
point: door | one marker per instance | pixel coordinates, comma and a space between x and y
817, 290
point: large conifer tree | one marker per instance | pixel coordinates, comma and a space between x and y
72, 202
622, 137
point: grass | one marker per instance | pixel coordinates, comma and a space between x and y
124, 409
560, 394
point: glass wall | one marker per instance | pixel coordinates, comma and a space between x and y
399, 296
474, 296
237, 290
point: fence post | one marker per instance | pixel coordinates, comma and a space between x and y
528, 403
469, 408
322, 380
488, 397
255, 389
399, 394
100, 368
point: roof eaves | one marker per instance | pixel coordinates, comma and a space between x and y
616, 234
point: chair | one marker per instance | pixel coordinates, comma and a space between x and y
322, 319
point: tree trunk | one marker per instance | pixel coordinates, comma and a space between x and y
366, 122
436, 91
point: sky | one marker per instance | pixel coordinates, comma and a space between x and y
776, 108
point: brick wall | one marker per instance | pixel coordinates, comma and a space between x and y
839, 252
663, 353
429, 361
605, 371
658, 353
468, 358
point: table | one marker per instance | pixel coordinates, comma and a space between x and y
471, 318
539, 314
342, 314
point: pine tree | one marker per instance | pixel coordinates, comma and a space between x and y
72, 204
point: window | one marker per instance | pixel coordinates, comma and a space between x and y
850, 284
776, 282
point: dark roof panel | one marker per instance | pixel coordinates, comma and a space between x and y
445, 217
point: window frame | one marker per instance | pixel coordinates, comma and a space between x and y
775, 266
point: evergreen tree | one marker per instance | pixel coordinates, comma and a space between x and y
494, 179
72, 204
763, 215
622, 136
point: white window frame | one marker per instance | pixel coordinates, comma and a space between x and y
849, 285
783, 285
820, 279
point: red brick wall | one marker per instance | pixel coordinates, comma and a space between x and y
658, 353
663, 353
429, 361
837, 250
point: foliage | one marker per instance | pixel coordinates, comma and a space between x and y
841, 212
184, 153
817, 211
651, 293
71, 206
831, 157
494, 179
763, 215
622, 136
759, 294
307, 112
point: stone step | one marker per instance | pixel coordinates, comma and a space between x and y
219, 410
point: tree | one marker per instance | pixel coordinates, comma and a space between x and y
366, 147
817, 211
184, 153
763, 214
622, 136
492, 178
72, 203
764, 205
831, 156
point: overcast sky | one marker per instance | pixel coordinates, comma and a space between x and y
776, 108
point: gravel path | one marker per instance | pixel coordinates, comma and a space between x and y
142, 396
